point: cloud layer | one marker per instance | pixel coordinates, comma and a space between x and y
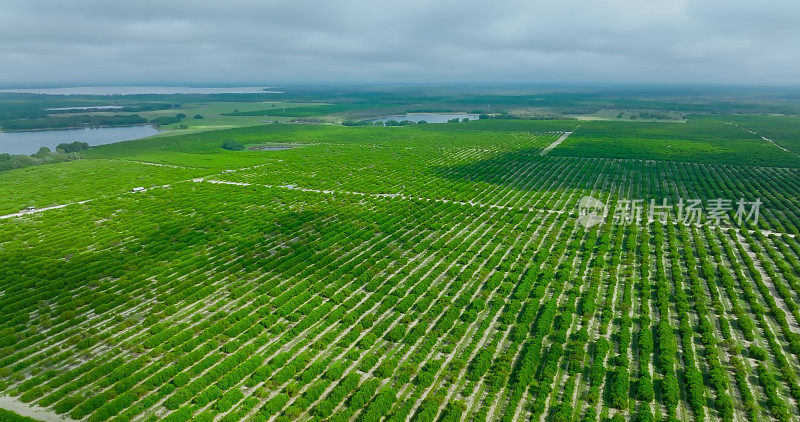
359, 41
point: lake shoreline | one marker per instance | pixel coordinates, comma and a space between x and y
28, 142
47, 129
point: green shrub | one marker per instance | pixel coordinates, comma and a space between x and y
232, 145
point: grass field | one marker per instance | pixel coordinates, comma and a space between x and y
218, 115
428, 272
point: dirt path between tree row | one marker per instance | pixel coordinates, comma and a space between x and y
21, 213
557, 142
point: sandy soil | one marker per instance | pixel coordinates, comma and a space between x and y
31, 411
558, 141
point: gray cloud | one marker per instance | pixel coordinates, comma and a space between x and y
670, 41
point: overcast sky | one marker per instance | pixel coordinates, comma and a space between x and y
367, 41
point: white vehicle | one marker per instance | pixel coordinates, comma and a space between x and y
29, 209
138, 189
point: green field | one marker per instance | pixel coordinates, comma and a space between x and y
304, 111
26, 112
220, 115
634, 115
783, 130
431, 272
707, 140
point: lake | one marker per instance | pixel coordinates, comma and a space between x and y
99, 108
428, 117
29, 142
136, 90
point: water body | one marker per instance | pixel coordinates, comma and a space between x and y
29, 142
84, 108
428, 117
131, 90
270, 147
